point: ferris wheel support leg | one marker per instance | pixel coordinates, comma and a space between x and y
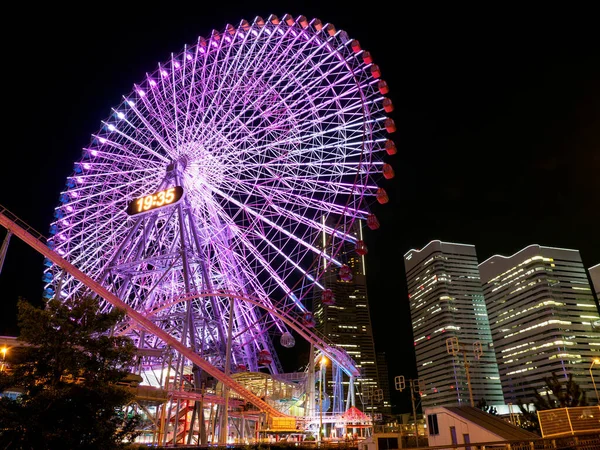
351, 399
310, 387
225, 419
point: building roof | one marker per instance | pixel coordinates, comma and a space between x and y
354, 414
492, 423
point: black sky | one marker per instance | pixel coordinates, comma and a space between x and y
498, 116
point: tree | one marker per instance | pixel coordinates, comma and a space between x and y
482, 404
68, 372
559, 395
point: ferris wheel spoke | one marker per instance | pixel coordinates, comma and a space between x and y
144, 123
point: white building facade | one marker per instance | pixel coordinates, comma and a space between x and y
541, 313
595, 276
456, 362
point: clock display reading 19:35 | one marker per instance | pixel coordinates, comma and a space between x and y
150, 202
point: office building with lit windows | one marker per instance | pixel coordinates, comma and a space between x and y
456, 363
594, 272
541, 310
347, 323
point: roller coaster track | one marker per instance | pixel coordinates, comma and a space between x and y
35, 240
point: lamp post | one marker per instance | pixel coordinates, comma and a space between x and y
417, 385
3, 350
322, 363
595, 361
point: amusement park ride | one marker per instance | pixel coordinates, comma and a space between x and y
202, 208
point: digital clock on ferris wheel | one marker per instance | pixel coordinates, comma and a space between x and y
150, 202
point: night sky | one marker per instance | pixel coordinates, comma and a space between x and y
498, 116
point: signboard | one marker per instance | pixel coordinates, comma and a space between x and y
283, 424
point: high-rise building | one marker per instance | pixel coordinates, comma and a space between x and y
347, 323
594, 272
384, 380
456, 364
541, 310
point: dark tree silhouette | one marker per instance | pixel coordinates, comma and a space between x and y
561, 394
68, 373
482, 404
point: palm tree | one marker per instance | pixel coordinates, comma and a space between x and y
560, 394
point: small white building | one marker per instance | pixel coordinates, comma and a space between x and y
381, 441
457, 425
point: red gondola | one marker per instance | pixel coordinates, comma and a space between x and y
390, 125
308, 320
372, 222
345, 273
390, 147
327, 297
388, 106
388, 171
264, 358
383, 87
382, 196
375, 71
361, 248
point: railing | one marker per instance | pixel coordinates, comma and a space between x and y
586, 441
565, 421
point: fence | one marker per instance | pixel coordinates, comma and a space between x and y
565, 421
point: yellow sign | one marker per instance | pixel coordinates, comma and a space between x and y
283, 423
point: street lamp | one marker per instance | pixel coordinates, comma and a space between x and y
595, 361
323, 363
3, 350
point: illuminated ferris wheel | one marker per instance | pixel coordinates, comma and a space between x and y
222, 172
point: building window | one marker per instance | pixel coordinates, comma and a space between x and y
467, 439
432, 423
453, 435
390, 443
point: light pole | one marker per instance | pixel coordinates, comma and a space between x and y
375, 395
454, 348
3, 350
322, 363
415, 386
595, 361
